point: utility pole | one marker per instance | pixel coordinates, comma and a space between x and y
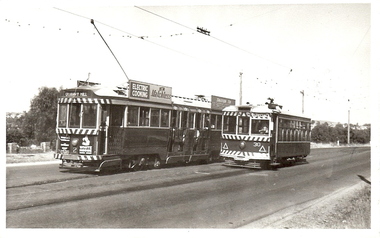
348, 126
303, 95
241, 89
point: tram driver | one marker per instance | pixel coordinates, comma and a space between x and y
264, 128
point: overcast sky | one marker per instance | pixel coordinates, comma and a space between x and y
321, 49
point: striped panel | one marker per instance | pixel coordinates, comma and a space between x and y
238, 155
90, 157
58, 156
93, 132
78, 157
246, 138
265, 116
230, 113
84, 100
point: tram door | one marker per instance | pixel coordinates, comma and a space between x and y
103, 133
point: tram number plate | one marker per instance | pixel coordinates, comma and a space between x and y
256, 144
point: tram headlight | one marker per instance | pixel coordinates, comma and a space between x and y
242, 145
74, 142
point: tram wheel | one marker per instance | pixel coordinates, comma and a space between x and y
135, 165
157, 163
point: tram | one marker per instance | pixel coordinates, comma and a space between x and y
141, 125
264, 137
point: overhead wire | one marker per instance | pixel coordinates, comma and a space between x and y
215, 38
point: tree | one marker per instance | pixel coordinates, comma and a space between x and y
40, 121
320, 133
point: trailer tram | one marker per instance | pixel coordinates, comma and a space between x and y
135, 127
263, 137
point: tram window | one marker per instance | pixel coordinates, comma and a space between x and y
117, 115
164, 118
184, 119
89, 115
229, 124
75, 114
191, 120
174, 119
243, 126
155, 117
133, 115
260, 127
207, 121
198, 120
144, 116
213, 121
62, 115
219, 122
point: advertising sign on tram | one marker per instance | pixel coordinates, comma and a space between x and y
218, 103
150, 92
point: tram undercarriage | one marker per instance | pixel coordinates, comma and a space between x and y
265, 164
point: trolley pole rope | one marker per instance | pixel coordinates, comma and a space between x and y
93, 23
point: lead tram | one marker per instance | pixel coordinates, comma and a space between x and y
138, 126
264, 137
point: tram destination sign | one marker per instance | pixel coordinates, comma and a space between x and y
149, 92
220, 102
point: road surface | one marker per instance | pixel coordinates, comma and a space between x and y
201, 196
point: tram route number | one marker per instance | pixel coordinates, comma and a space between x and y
256, 144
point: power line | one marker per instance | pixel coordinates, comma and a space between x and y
164, 18
224, 42
97, 21
138, 37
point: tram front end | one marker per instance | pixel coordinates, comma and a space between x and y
246, 137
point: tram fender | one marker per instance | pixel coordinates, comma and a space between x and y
110, 163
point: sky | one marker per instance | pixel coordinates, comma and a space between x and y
322, 49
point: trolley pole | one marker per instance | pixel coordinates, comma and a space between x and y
241, 88
303, 95
93, 23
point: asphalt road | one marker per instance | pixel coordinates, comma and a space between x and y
201, 196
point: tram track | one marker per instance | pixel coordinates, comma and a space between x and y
50, 181
45, 194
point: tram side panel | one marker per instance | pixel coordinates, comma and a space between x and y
214, 143
292, 149
293, 138
134, 142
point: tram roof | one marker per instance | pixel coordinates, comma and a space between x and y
261, 109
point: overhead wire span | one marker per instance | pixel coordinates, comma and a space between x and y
215, 38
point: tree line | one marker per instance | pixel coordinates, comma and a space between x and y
39, 123
36, 125
324, 133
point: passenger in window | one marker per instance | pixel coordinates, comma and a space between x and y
264, 130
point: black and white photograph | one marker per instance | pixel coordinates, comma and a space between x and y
179, 118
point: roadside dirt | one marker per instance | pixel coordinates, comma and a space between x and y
324, 213
28, 158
